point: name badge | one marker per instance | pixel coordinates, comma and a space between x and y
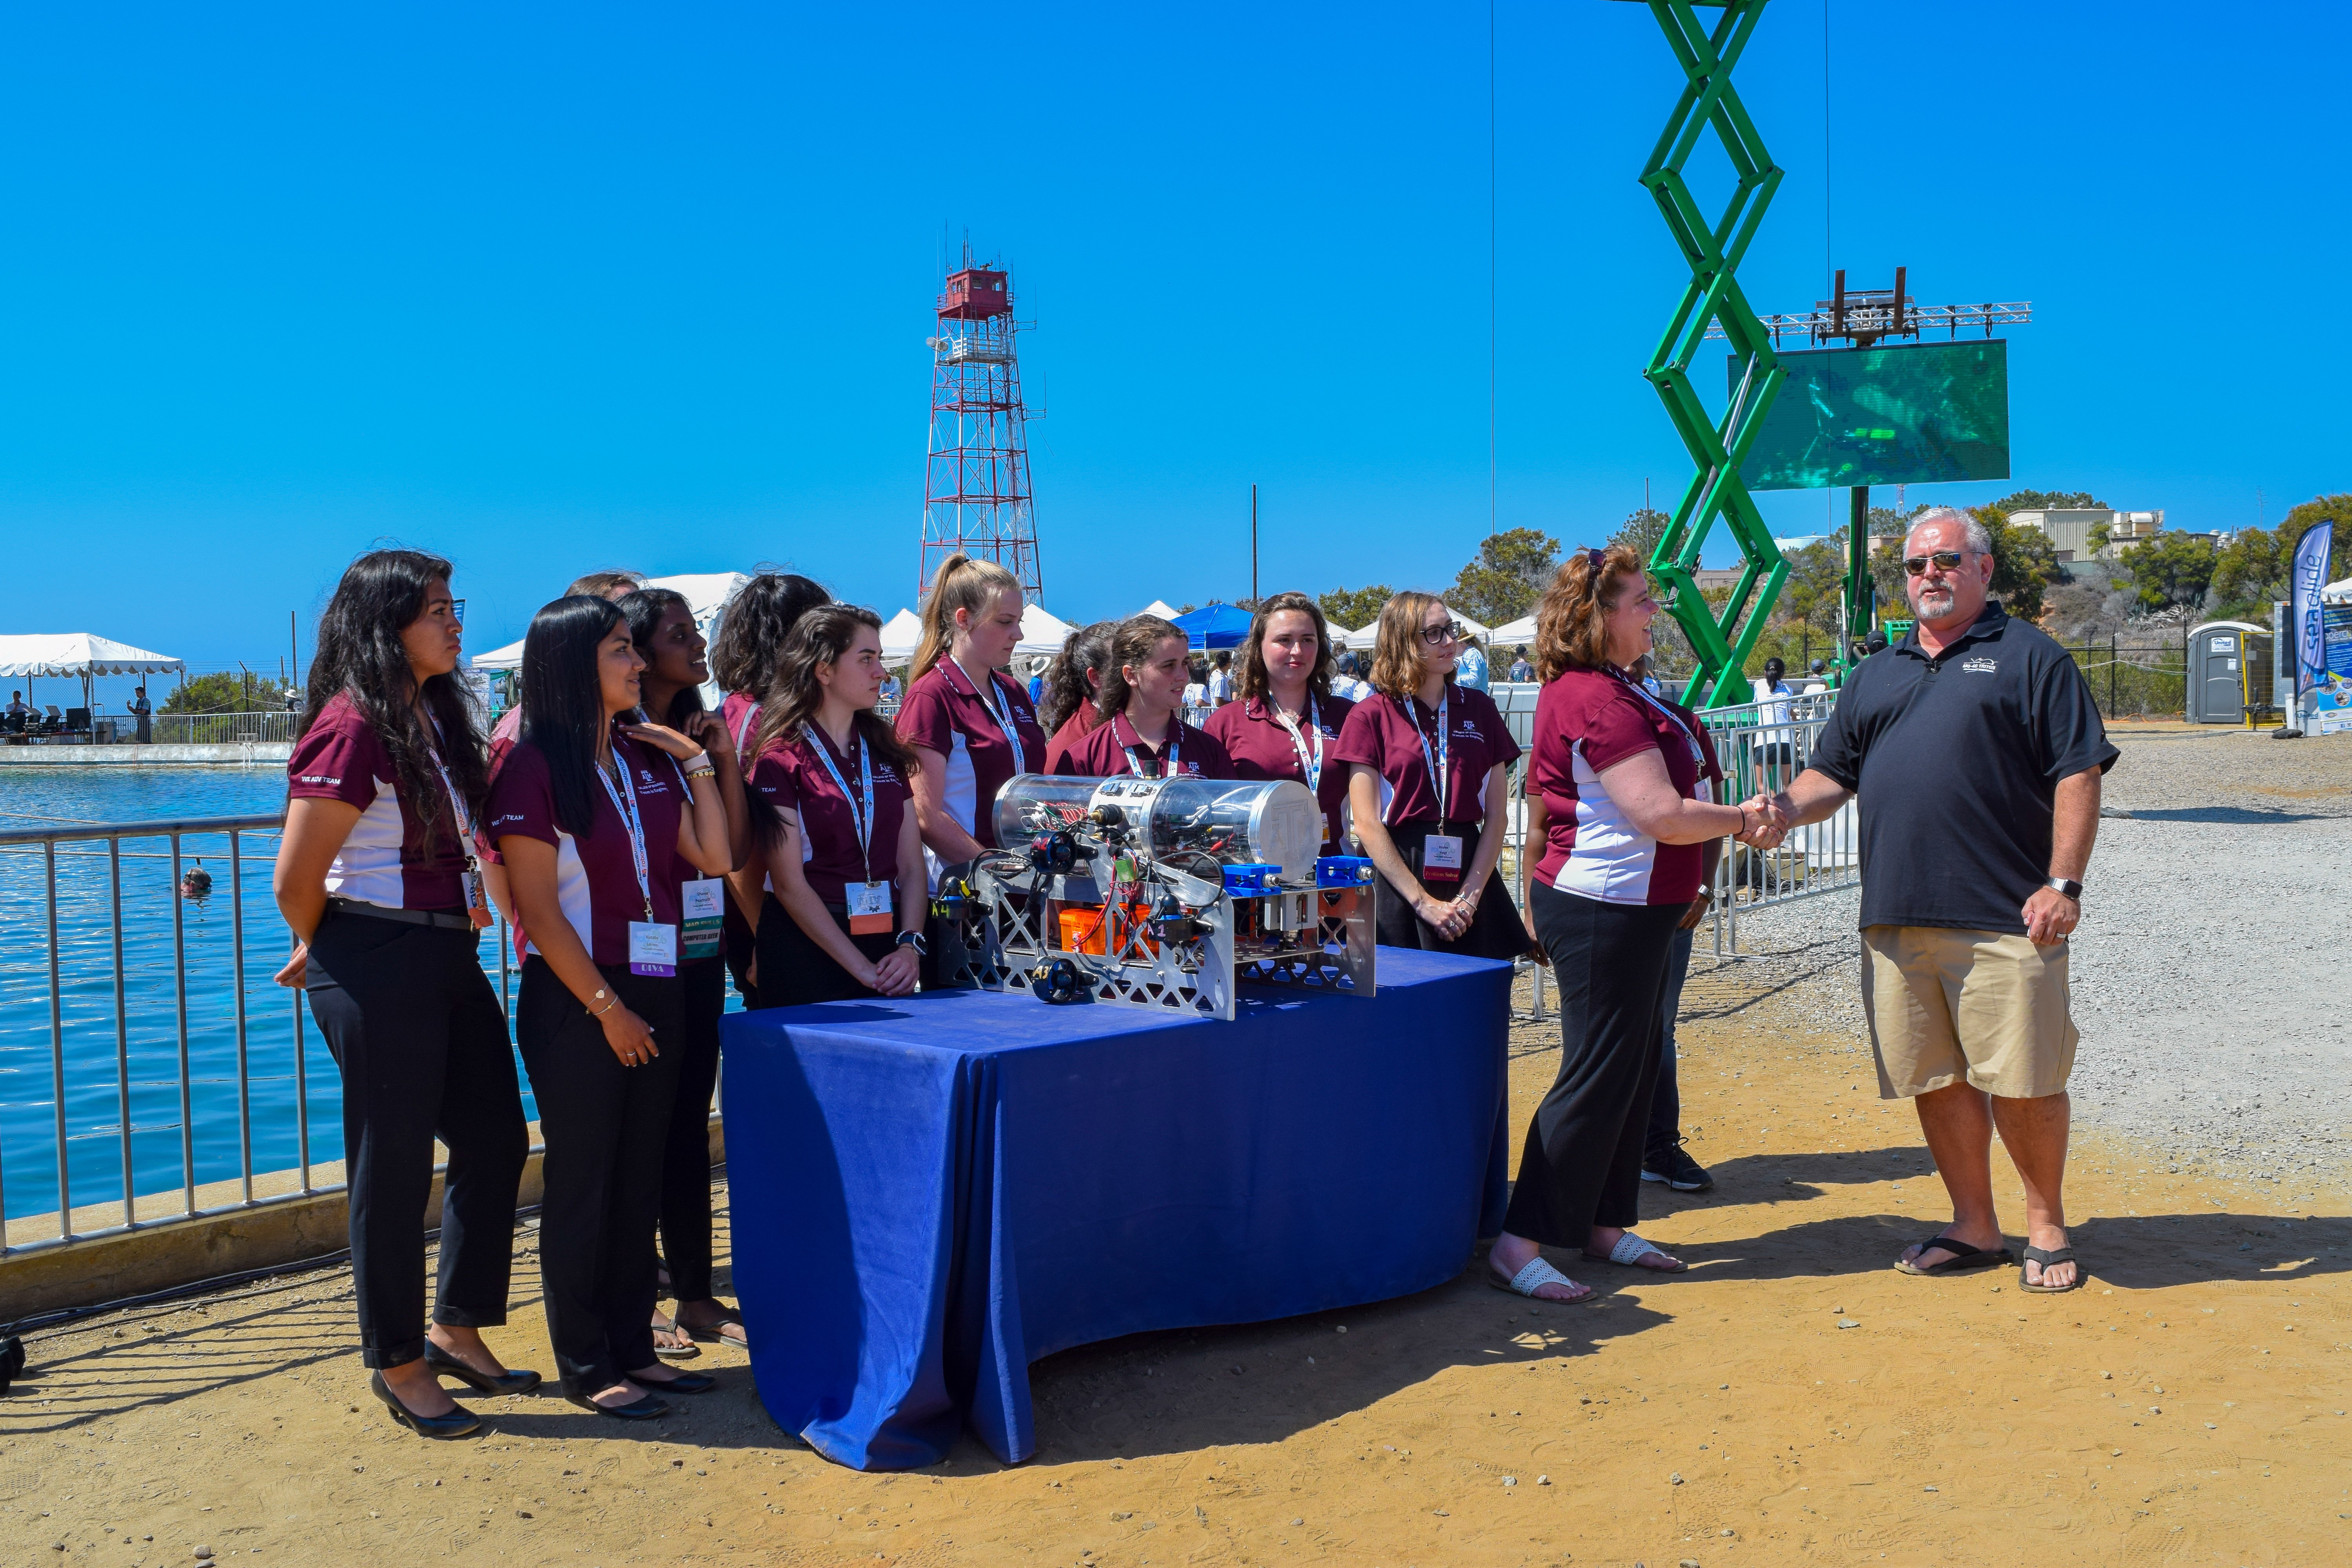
1440, 857
653, 949
704, 904
869, 908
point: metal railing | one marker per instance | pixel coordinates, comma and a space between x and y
216, 728
120, 996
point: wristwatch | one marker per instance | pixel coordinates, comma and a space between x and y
914, 939
2066, 885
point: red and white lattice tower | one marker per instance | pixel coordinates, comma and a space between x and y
976, 484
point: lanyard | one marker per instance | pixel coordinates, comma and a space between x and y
1312, 766
465, 817
633, 823
1167, 764
860, 819
1698, 753
743, 728
989, 696
1436, 764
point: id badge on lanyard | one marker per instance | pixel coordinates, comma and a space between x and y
653, 945
702, 901
868, 903
1440, 852
478, 903
1167, 763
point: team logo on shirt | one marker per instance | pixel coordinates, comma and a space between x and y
328, 779
1467, 730
1980, 665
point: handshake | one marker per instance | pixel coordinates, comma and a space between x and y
1766, 824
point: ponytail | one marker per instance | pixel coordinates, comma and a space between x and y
964, 584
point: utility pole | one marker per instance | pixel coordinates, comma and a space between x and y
1252, 547
293, 649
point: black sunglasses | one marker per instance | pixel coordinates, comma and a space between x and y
1944, 560
1443, 632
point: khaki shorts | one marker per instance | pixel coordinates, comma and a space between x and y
1947, 1005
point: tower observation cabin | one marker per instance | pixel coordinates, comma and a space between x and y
975, 294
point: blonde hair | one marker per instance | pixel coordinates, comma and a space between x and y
1572, 619
1396, 645
965, 583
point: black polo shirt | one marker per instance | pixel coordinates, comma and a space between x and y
1956, 760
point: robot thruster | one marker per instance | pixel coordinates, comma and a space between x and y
1158, 893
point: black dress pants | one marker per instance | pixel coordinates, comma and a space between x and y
794, 970
686, 1162
605, 1126
1581, 1165
417, 1030
1495, 930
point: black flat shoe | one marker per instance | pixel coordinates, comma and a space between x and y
682, 1382
459, 1422
645, 1409
449, 1365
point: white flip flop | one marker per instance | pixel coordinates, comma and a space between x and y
1631, 1249
1533, 1277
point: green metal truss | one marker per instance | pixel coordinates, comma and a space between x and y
1713, 251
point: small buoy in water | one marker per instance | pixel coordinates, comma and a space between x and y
195, 882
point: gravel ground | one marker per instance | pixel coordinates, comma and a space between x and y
2212, 1001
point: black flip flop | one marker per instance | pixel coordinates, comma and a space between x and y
1964, 1258
2055, 1255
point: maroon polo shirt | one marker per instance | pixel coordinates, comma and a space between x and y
790, 777
385, 860
1103, 753
944, 712
596, 873
1262, 749
1587, 721
1073, 731
1380, 735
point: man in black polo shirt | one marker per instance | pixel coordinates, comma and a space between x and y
1977, 751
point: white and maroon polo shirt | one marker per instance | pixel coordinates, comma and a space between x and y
384, 860
1388, 735
1102, 753
790, 777
944, 712
597, 874
1262, 749
739, 711
1586, 722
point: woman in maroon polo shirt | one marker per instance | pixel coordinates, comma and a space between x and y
842, 851
1429, 764
661, 624
1068, 711
1142, 704
1284, 722
743, 659
1627, 813
970, 724
377, 877
588, 814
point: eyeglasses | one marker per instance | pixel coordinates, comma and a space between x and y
1944, 560
1442, 632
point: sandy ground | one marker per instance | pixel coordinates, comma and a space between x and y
1791, 1399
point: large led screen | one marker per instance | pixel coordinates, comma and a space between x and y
1915, 414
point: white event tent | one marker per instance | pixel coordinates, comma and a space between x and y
707, 592
1041, 634
1514, 634
80, 656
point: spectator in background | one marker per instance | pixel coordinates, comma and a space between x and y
1470, 668
1520, 669
1348, 681
1875, 643
1817, 677
890, 687
1036, 682
144, 712
1221, 680
16, 705
1196, 691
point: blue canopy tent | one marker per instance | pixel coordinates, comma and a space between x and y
1215, 625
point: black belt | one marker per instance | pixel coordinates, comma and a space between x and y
432, 918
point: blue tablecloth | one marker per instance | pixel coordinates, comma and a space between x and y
926, 1195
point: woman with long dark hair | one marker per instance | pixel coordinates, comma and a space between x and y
1429, 766
1141, 703
969, 723
1066, 710
743, 658
661, 625
844, 851
588, 814
1284, 722
376, 874
1624, 779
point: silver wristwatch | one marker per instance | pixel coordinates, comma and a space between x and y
2066, 885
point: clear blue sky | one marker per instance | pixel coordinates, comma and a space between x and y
559, 288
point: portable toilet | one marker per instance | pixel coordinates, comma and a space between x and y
2216, 677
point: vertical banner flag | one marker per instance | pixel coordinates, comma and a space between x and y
2308, 576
